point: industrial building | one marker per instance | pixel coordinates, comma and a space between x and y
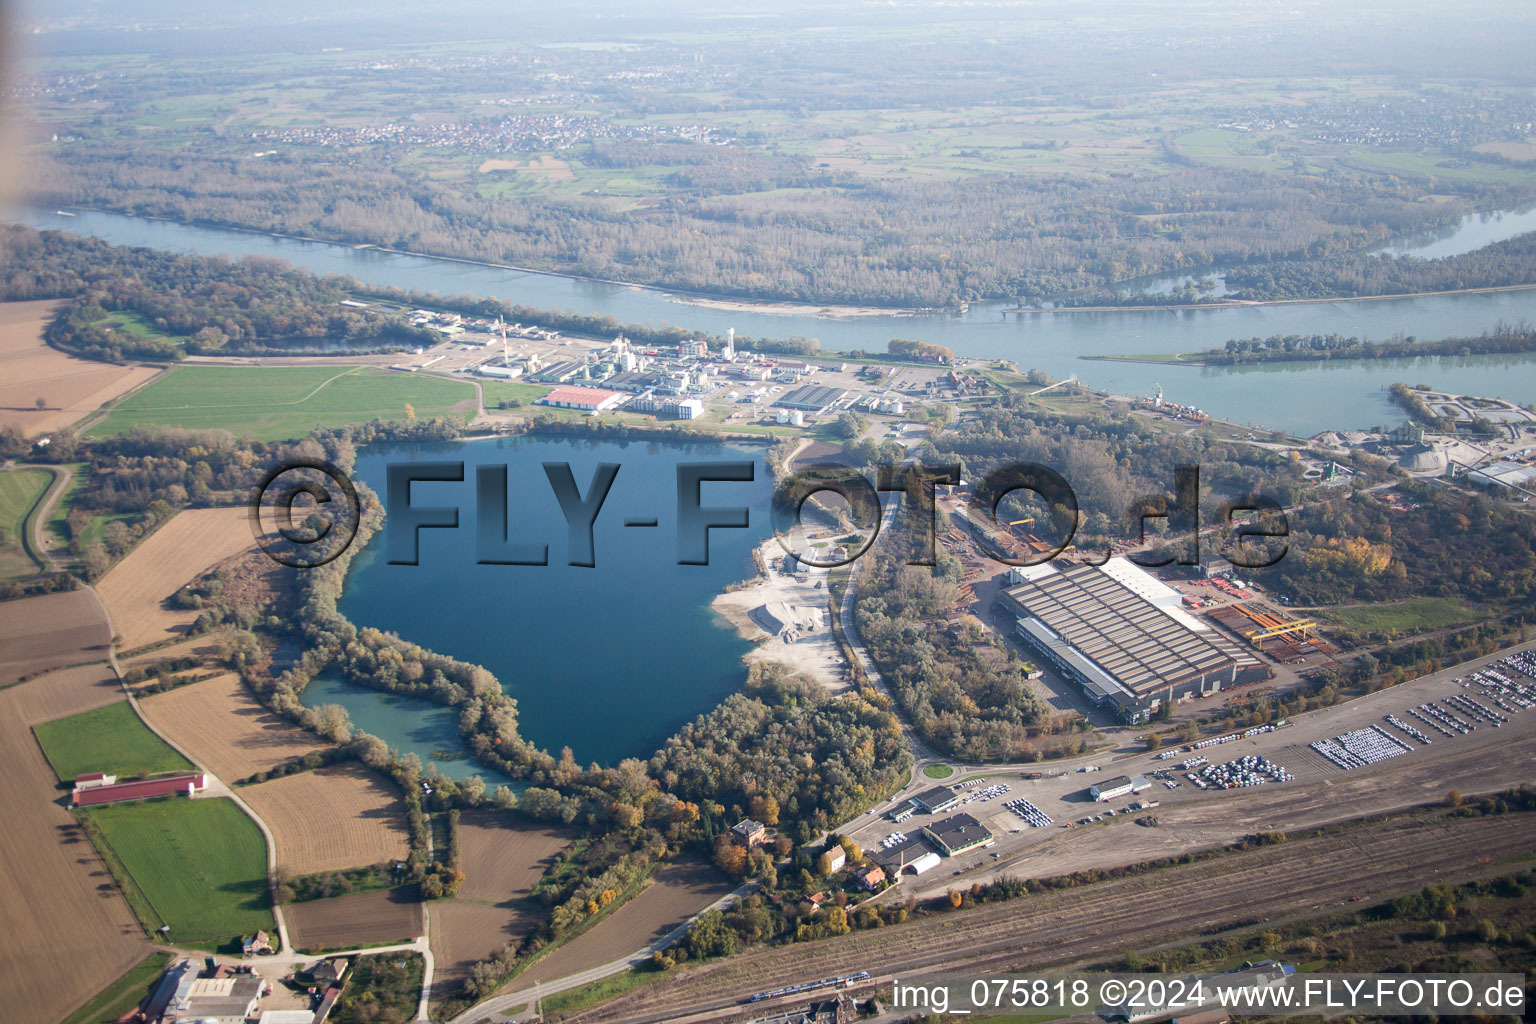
811, 398
1120, 785
936, 800
1120, 634
586, 399
95, 789
184, 996
1512, 479
957, 834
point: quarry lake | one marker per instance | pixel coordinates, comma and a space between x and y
608, 660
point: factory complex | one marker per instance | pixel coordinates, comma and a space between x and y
1122, 636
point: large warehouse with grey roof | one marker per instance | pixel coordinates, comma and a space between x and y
1121, 635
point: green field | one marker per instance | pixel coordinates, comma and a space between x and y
135, 324
496, 391
110, 739
20, 491
938, 771
121, 997
199, 866
1413, 615
272, 403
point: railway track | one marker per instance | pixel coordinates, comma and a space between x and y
1307, 876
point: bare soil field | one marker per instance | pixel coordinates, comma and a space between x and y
136, 589
1308, 875
464, 931
543, 165
357, 919
70, 387
332, 818
676, 892
503, 861
57, 901
225, 728
51, 630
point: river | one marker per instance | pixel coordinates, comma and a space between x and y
1302, 398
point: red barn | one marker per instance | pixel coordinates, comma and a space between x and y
170, 785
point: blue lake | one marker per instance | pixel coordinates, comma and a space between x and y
608, 660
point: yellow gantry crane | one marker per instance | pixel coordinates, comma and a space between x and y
1301, 626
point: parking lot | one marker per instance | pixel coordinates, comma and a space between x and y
1251, 780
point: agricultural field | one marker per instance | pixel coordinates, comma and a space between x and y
269, 403
225, 728
503, 861
464, 931
50, 631
501, 865
53, 888
31, 373
109, 739
357, 919
332, 818
137, 588
676, 892
124, 995
20, 491
199, 866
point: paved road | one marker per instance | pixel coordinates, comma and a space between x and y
62, 475
503, 1004
215, 788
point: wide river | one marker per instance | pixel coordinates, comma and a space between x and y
1303, 398
608, 660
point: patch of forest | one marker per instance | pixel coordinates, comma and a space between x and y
814, 237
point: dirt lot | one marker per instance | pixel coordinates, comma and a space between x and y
225, 729
136, 589
30, 370
502, 861
363, 918
57, 901
333, 818
39, 633
815, 652
677, 892
1313, 874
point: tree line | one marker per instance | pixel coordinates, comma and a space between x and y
188, 304
837, 240
1503, 339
